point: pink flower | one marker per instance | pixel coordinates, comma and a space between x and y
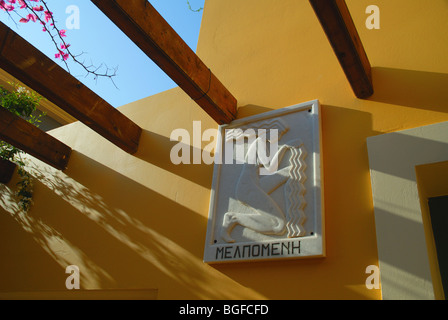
48, 15
62, 55
64, 46
29, 17
38, 8
22, 4
62, 33
59, 54
32, 17
6, 7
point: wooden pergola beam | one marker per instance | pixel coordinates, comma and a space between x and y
6, 170
337, 23
32, 140
36, 70
157, 39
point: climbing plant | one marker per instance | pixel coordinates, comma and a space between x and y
23, 103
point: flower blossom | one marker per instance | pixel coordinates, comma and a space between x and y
29, 17
48, 15
38, 12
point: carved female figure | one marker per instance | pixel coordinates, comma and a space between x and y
266, 216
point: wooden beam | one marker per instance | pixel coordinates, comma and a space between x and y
158, 40
6, 170
30, 139
8, 82
337, 23
34, 69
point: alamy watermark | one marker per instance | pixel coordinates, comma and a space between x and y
73, 21
255, 147
373, 280
373, 20
72, 281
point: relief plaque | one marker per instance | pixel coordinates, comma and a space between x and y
266, 198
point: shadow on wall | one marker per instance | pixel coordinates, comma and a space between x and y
411, 266
415, 89
402, 229
119, 233
251, 110
159, 152
44, 251
24, 241
402, 143
159, 155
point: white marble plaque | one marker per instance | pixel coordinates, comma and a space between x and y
266, 197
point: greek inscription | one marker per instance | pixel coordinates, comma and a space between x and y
289, 248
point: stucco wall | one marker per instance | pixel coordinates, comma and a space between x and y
138, 221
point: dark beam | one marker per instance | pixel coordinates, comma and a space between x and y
30, 139
337, 23
6, 170
34, 69
158, 40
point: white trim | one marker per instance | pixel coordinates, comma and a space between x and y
402, 250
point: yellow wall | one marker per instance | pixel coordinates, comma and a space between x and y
139, 221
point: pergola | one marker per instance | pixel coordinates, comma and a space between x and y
158, 40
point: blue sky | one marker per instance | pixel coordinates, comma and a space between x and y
101, 42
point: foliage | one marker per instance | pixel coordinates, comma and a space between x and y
194, 10
22, 103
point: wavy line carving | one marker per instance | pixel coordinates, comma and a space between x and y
294, 193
